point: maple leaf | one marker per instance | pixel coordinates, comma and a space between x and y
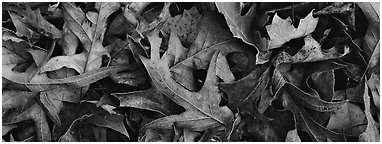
202, 108
282, 31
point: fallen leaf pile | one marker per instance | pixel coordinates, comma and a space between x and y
189, 72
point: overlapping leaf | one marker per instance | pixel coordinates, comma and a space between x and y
202, 108
311, 52
244, 26
90, 29
282, 31
244, 93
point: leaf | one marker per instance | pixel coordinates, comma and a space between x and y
114, 122
19, 60
6, 128
119, 26
150, 99
122, 55
90, 34
245, 26
35, 113
240, 26
281, 31
374, 87
264, 130
76, 62
183, 71
310, 52
323, 83
303, 120
100, 134
202, 109
372, 132
371, 10
35, 21
186, 25
71, 135
211, 37
21, 28
69, 42
292, 136
372, 36
16, 99
246, 92
53, 99
348, 119
42, 82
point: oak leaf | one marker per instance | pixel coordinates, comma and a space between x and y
202, 107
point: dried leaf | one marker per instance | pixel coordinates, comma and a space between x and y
186, 25
72, 135
90, 34
201, 112
211, 37
114, 122
292, 136
371, 10
150, 99
323, 83
41, 82
241, 26
121, 55
348, 119
374, 87
244, 93
53, 100
69, 41
372, 132
76, 61
372, 36
16, 99
281, 31
311, 52
6, 128
35, 21
303, 120
244, 26
35, 113
21, 28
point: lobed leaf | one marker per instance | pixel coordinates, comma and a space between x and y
282, 31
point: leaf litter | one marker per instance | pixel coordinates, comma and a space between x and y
187, 72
